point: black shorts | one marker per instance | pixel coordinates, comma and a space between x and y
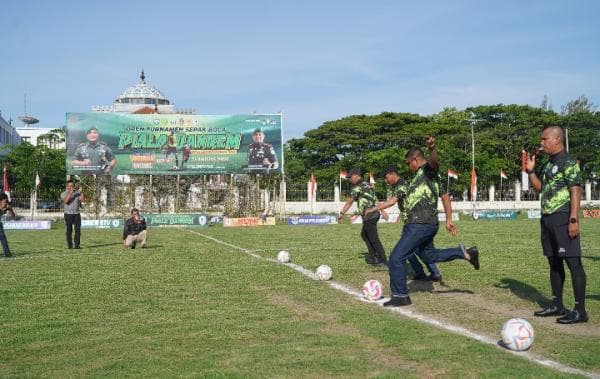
555, 236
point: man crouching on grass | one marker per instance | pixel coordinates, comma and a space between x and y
135, 230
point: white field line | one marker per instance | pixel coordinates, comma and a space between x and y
415, 315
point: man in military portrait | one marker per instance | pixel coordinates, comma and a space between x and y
261, 155
93, 156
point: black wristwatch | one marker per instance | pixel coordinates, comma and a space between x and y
529, 172
573, 220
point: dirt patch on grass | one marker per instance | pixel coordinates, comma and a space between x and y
387, 358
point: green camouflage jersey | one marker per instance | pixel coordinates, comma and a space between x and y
364, 196
561, 173
399, 191
420, 203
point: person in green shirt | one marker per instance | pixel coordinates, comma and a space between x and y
363, 195
421, 225
396, 192
560, 193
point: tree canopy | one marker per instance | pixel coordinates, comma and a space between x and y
501, 131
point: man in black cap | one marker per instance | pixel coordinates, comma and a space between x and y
364, 196
93, 157
261, 155
396, 192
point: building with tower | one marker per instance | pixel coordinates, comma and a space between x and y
141, 98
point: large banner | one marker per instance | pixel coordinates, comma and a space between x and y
171, 144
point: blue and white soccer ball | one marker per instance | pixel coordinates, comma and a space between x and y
283, 256
517, 334
324, 272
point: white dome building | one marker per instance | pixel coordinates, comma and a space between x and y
141, 98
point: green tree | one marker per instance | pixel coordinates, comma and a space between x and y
24, 161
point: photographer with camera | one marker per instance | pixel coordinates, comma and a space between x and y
134, 230
71, 199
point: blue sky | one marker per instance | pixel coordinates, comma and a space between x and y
312, 60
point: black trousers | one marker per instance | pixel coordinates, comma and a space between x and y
4, 242
371, 237
73, 220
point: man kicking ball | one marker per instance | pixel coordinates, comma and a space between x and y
421, 226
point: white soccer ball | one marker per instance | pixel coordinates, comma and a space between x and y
324, 272
517, 334
283, 256
372, 290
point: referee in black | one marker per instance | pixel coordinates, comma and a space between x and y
560, 188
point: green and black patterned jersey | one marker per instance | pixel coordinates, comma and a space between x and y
420, 203
399, 190
561, 173
364, 196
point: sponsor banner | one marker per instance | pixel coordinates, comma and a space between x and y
591, 213
312, 220
214, 220
248, 221
102, 224
28, 225
392, 219
534, 213
172, 144
176, 219
495, 215
442, 216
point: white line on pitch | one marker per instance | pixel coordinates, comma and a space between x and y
414, 315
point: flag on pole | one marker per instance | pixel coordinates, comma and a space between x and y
524, 176
452, 174
5, 186
37, 180
343, 174
503, 174
473, 185
313, 185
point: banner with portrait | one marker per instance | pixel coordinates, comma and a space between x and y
173, 144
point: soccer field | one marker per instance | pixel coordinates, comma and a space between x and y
214, 302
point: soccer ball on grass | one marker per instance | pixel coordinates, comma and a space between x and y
517, 334
283, 256
372, 290
324, 272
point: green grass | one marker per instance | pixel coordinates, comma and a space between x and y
188, 306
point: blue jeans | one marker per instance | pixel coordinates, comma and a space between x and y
418, 268
418, 239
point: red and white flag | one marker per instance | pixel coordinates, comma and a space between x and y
473, 185
313, 187
5, 186
524, 176
452, 174
503, 174
343, 174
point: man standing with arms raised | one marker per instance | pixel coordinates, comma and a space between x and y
560, 188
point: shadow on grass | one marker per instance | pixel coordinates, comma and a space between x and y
102, 245
524, 291
593, 297
591, 258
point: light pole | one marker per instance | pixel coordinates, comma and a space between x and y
473, 121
